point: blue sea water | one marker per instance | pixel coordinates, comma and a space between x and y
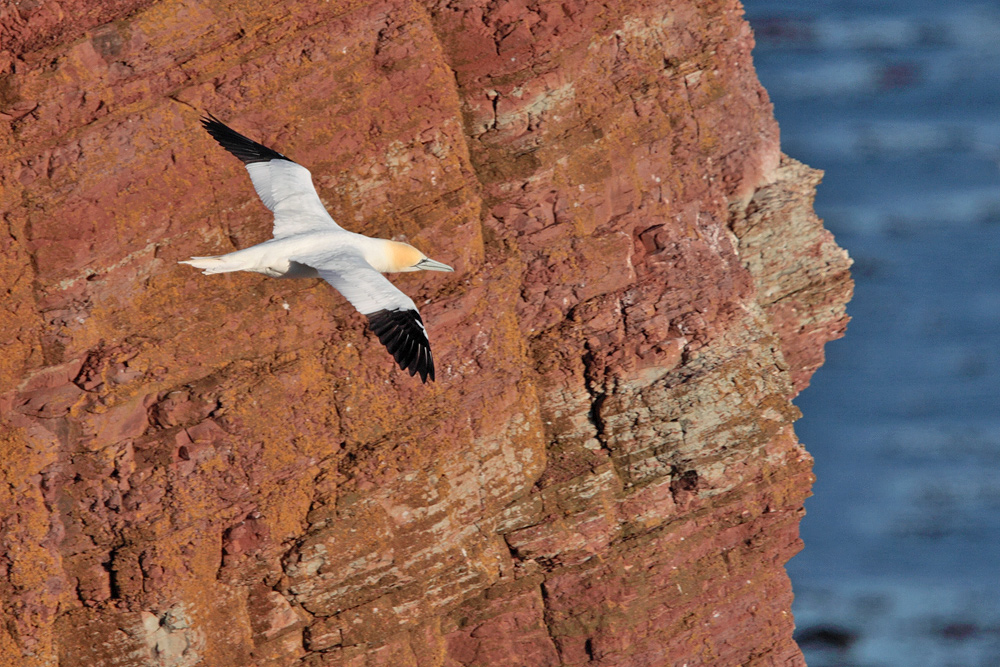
899, 103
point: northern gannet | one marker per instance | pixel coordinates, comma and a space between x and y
307, 243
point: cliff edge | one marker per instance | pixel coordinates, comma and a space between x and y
229, 470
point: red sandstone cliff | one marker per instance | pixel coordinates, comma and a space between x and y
230, 471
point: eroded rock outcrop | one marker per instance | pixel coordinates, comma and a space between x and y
229, 470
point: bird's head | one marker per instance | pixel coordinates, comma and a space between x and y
404, 257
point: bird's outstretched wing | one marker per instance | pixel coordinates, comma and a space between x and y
391, 314
284, 186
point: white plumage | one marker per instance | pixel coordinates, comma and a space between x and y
308, 243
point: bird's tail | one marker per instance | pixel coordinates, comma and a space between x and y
210, 265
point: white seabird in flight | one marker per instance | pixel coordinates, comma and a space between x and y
307, 243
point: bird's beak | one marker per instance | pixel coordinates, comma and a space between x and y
430, 265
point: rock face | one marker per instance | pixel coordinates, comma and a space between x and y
229, 470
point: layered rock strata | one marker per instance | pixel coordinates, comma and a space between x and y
229, 470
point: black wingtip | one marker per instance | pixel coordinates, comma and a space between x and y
402, 332
246, 149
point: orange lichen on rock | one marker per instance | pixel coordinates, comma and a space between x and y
229, 470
